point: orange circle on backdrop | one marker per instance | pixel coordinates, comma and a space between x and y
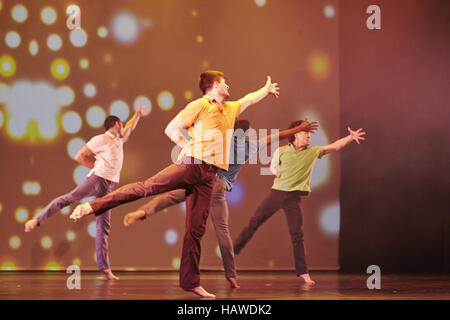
318, 65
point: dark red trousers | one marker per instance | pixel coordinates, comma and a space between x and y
198, 179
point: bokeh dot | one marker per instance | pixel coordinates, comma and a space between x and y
52, 266
84, 63
171, 237
66, 95
329, 11
12, 39
199, 38
19, 13
119, 109
188, 95
54, 42
330, 219
236, 195
60, 69
33, 47
48, 15
260, 3
21, 214
176, 263
102, 32
92, 229
125, 27
31, 188
71, 122
8, 266
65, 211
46, 242
78, 38
7, 66
165, 100
76, 261
80, 173
318, 65
74, 146
95, 116
14, 242
70, 235
89, 90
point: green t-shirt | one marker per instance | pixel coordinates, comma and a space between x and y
295, 167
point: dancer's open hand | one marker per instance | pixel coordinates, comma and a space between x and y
141, 109
357, 135
308, 126
272, 88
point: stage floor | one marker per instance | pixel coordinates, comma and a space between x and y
254, 286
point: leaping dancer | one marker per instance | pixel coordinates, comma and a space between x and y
241, 150
292, 166
103, 154
211, 121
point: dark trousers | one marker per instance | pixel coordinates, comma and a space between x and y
198, 179
219, 216
290, 203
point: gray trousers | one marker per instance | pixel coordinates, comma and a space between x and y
218, 213
92, 186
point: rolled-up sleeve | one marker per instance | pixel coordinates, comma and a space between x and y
96, 144
191, 112
276, 158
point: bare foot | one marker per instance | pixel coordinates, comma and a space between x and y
30, 225
81, 211
233, 283
202, 292
109, 275
307, 279
132, 217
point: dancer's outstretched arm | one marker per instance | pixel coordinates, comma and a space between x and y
304, 126
341, 143
132, 123
260, 94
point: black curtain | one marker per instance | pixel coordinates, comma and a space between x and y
395, 83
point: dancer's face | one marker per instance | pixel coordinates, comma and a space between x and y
119, 128
302, 138
222, 88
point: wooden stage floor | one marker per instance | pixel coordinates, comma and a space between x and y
254, 286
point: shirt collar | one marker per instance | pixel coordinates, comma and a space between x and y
291, 145
109, 134
210, 99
